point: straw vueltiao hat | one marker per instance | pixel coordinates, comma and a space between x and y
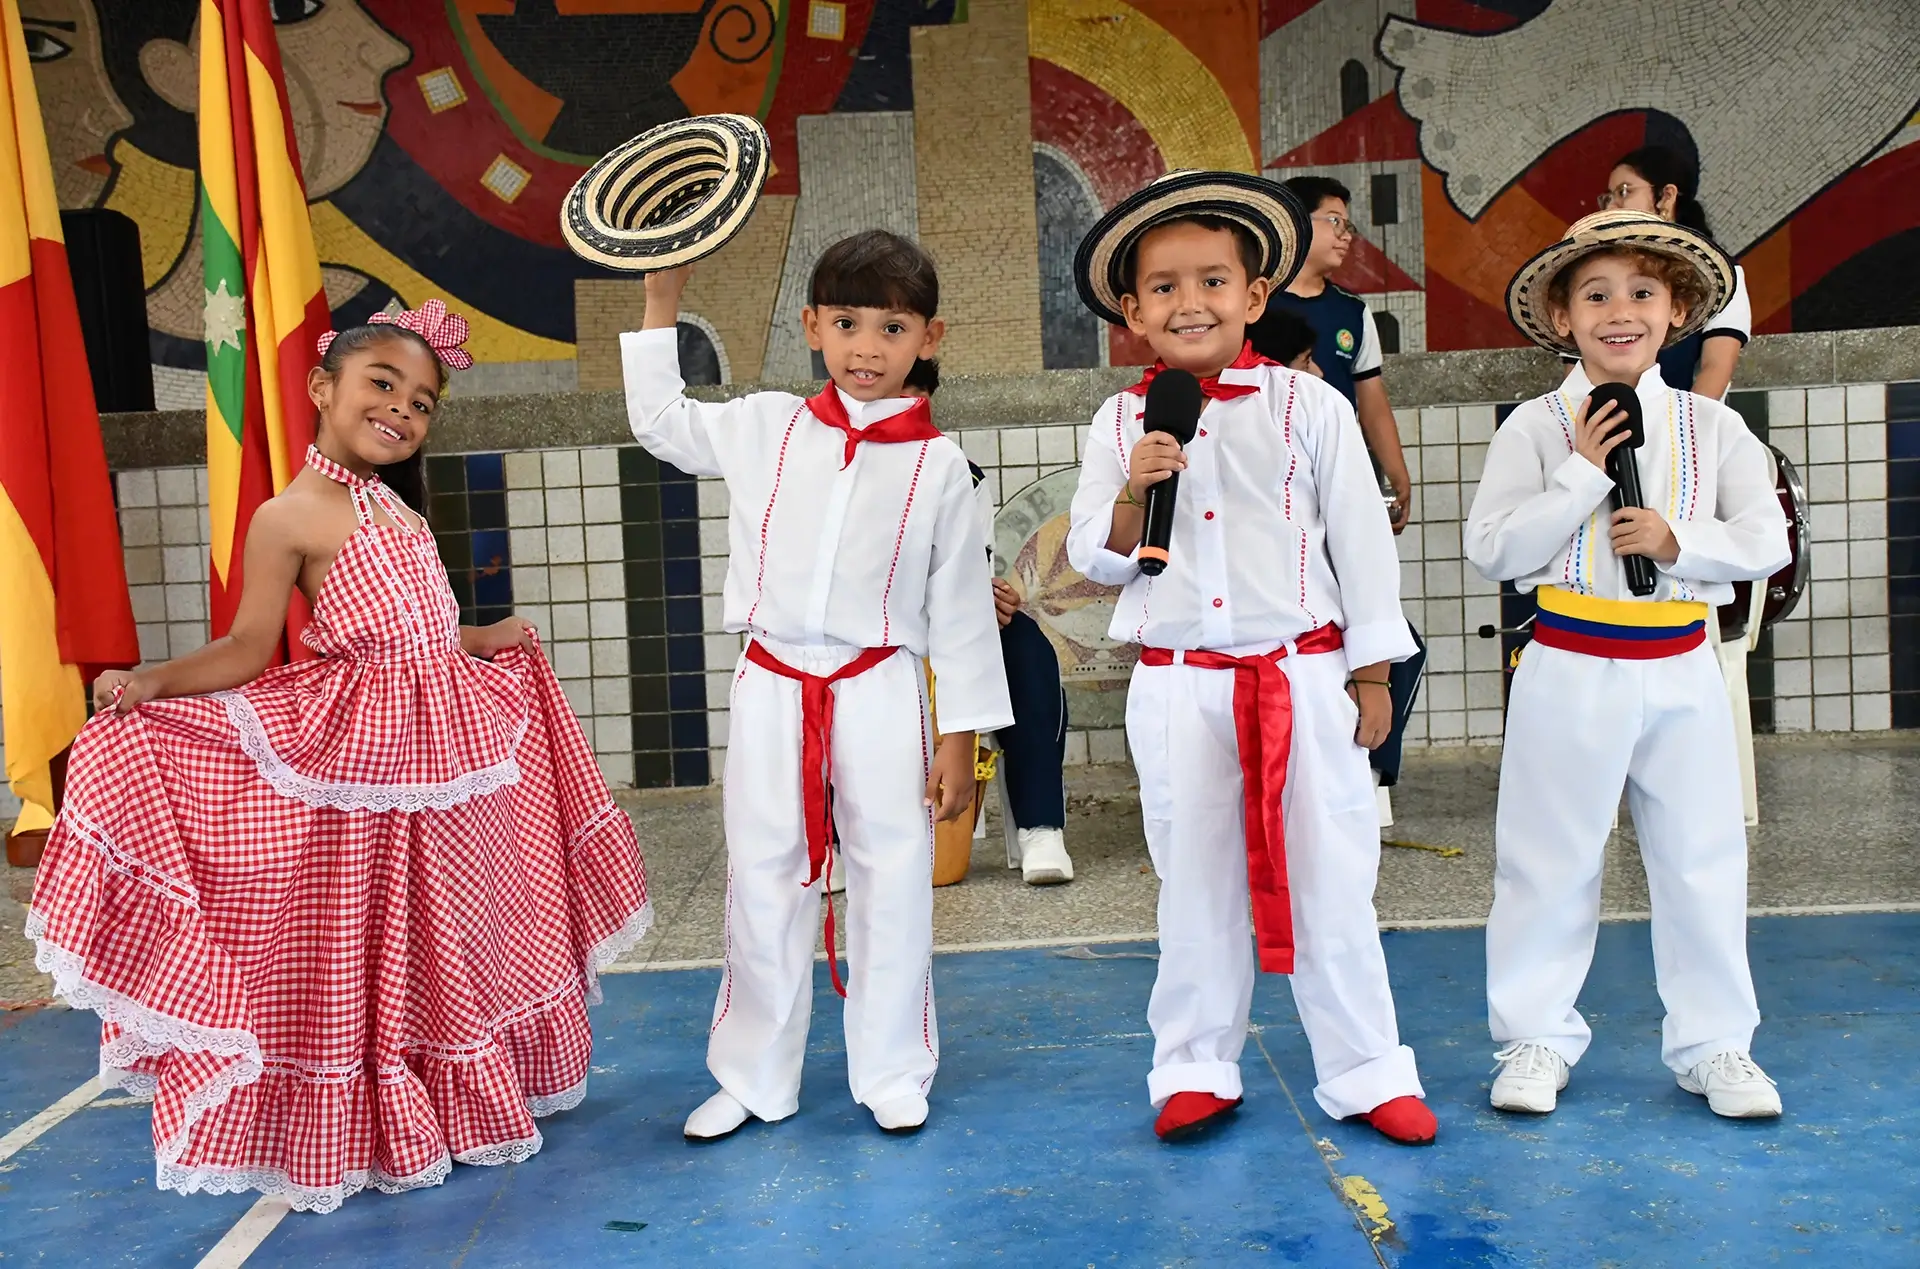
1278, 223
1617, 227
670, 196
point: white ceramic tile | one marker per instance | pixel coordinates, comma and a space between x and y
1476, 424
1829, 559
1826, 405
1439, 502
1832, 676
564, 505
560, 467
713, 575
1867, 558
720, 732
1872, 712
606, 581
721, 649
579, 694
719, 688
1872, 674
1439, 425
1410, 584
1866, 402
137, 489
1833, 713
527, 546
1473, 461
1446, 654
1786, 407
1867, 635
1019, 446
526, 507
523, 470
1830, 637
1445, 692
1439, 463
713, 498
1791, 441
1867, 596
1446, 725
184, 563
601, 504
713, 537
1793, 715
571, 659
614, 696
600, 465
143, 565
1828, 597
1055, 446
1827, 444
180, 526
569, 621
617, 769
567, 583
607, 618
139, 526
1826, 482
1485, 724
174, 487
186, 602
1407, 422
1484, 691
1792, 677
149, 603
153, 641
1867, 519
1867, 482
185, 636
605, 544
1793, 639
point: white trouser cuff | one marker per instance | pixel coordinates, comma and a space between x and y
1388, 1076
1222, 1079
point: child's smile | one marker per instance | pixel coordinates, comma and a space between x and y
1192, 298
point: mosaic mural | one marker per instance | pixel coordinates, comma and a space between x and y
439, 136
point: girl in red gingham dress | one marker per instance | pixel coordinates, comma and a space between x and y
342, 918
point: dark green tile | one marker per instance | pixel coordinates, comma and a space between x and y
447, 473
649, 693
652, 733
456, 551
645, 579
640, 504
653, 770
646, 617
641, 541
637, 467
647, 656
448, 511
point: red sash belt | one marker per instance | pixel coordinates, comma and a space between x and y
1263, 724
816, 764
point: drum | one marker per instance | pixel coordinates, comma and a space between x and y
1785, 587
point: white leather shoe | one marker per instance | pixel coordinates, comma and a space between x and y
1043, 857
717, 1117
901, 1114
1530, 1079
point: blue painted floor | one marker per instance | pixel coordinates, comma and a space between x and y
1040, 1151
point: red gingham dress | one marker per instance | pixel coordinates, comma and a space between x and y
344, 922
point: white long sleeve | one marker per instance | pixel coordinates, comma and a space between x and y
1542, 515
884, 550
1278, 528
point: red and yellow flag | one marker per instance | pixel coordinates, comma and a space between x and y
64, 609
265, 305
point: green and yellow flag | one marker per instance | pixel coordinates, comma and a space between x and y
265, 305
64, 609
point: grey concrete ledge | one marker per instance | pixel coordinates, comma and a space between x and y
177, 438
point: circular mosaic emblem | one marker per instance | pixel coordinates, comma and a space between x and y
1030, 552
1344, 340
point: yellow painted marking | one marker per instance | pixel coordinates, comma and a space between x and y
1364, 1199
1445, 852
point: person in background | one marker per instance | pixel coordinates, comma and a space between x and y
1342, 346
1657, 180
1034, 749
1347, 347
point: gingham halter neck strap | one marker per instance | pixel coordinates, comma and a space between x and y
335, 472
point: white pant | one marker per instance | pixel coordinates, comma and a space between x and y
1180, 724
882, 746
1578, 728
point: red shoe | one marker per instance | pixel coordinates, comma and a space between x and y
1189, 1114
1405, 1120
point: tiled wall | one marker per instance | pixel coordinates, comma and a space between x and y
619, 561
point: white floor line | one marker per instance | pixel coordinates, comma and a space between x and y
1411, 923
246, 1235
26, 1134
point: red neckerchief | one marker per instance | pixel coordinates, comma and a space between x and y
1211, 386
915, 423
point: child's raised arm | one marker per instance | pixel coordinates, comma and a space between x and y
271, 565
692, 435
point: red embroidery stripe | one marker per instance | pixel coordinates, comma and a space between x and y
766, 519
886, 609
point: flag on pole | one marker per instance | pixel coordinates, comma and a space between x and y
64, 609
265, 305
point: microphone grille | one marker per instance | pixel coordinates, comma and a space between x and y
1173, 405
1622, 395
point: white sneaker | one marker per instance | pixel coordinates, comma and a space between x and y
838, 885
1734, 1086
1530, 1079
1043, 857
901, 1114
718, 1116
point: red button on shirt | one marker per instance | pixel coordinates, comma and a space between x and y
1203, 431
1218, 602
1209, 515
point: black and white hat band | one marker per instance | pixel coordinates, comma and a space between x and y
1527, 299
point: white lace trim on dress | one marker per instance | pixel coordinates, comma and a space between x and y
127, 865
344, 796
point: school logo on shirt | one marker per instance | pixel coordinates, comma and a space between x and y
1344, 341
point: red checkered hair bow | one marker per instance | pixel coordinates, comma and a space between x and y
443, 331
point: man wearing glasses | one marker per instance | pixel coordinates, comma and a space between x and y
1347, 351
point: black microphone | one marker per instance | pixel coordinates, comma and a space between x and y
1624, 470
1174, 402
